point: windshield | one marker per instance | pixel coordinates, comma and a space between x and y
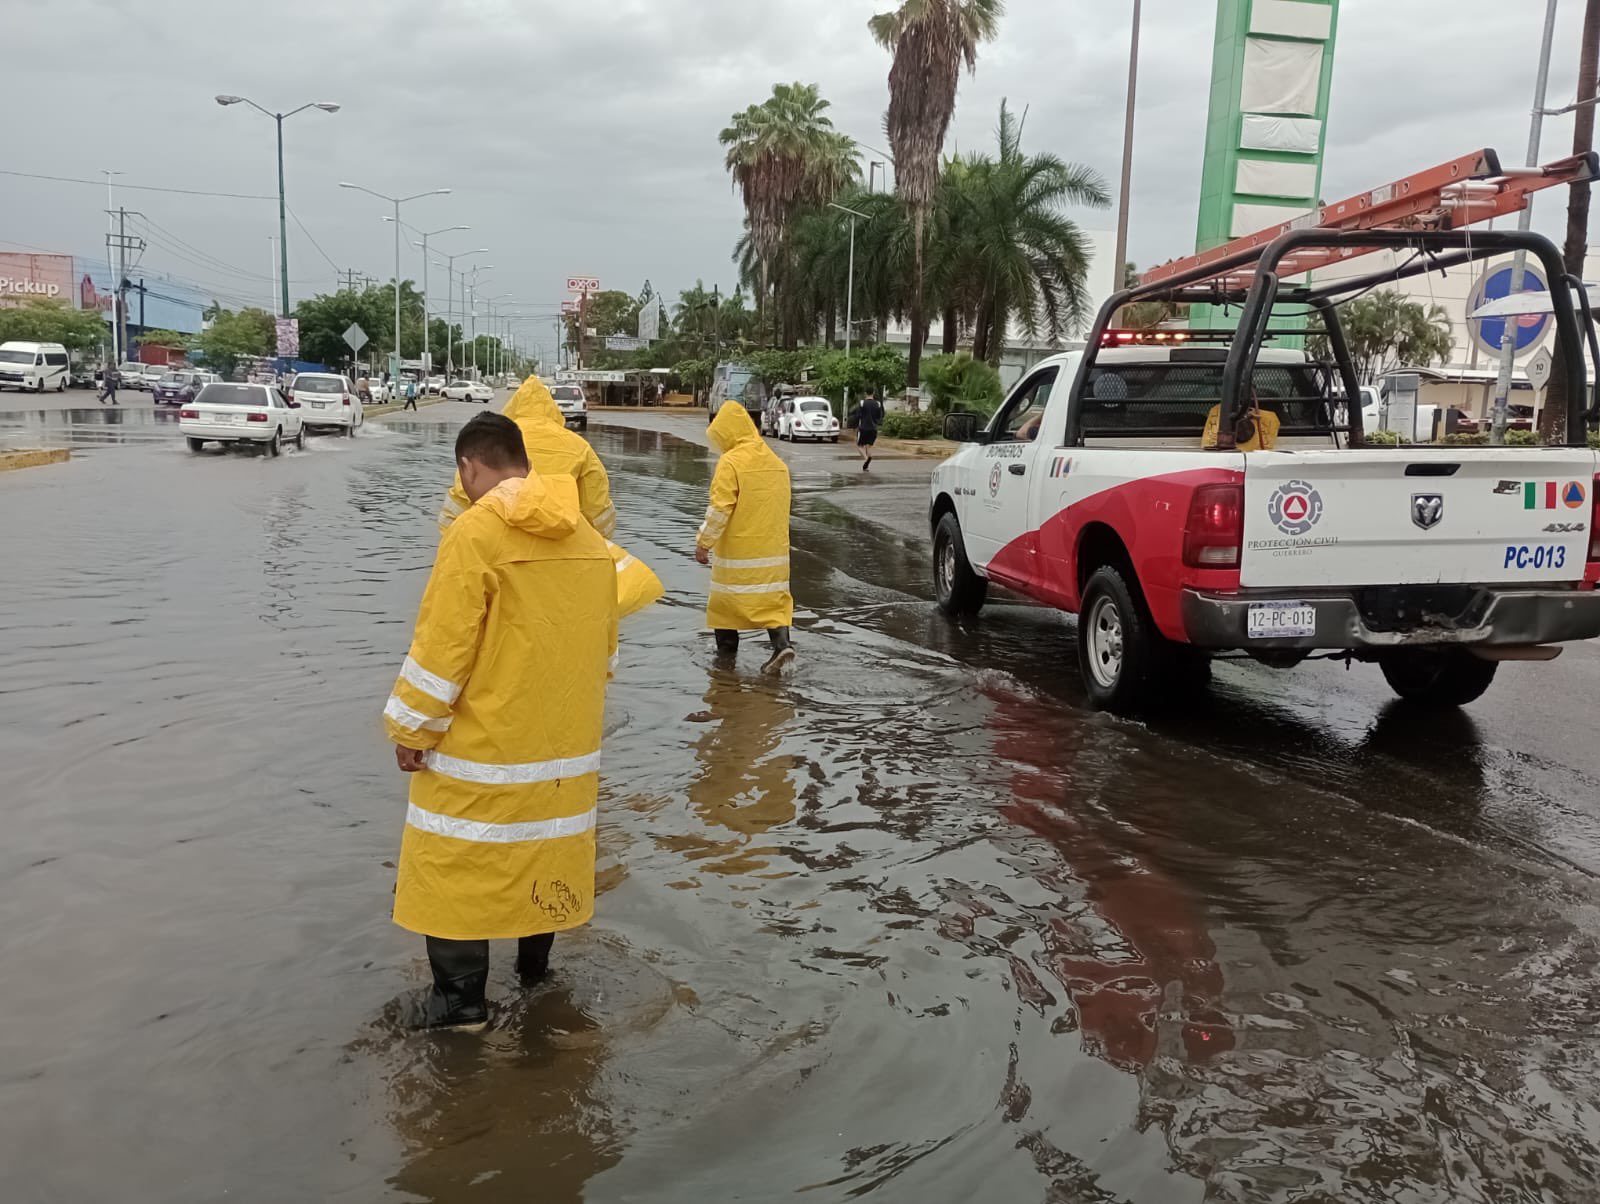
174, 378
232, 395
318, 384
16, 357
567, 393
814, 407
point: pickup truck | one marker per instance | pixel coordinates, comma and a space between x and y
1093, 490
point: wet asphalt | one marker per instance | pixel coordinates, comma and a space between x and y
910, 924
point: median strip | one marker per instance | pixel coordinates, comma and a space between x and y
33, 458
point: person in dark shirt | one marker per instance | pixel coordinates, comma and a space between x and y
868, 419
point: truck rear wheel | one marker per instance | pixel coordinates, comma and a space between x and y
1440, 677
1119, 649
958, 589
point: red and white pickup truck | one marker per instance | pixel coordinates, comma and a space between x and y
1090, 491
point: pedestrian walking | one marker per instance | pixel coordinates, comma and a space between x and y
499, 834
108, 385
411, 394
745, 539
868, 419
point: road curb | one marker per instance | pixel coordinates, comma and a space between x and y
33, 458
391, 407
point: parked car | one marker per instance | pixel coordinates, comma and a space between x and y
436, 385
130, 375
469, 390
229, 413
807, 418
33, 367
149, 374
178, 388
328, 400
570, 401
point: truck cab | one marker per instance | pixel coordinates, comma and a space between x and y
1195, 493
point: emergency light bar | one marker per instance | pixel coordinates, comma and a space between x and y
1163, 338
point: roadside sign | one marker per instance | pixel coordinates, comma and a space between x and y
1528, 329
650, 320
570, 306
583, 284
1538, 368
288, 338
355, 338
624, 342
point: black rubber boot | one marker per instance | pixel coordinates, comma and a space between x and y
533, 957
460, 975
727, 642
782, 650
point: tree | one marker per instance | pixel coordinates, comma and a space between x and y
1145, 315
235, 336
929, 39
1384, 331
962, 381
52, 322
785, 156
162, 338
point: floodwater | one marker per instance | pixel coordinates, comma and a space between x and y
911, 924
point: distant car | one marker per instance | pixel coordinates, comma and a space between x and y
435, 385
570, 401
149, 374
228, 413
328, 400
469, 390
807, 418
33, 367
178, 388
130, 375
769, 416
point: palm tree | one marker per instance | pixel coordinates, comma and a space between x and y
784, 156
929, 39
1023, 257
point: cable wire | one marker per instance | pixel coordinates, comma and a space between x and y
233, 196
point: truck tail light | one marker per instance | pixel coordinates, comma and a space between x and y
256, 418
188, 413
347, 399
1594, 519
1214, 534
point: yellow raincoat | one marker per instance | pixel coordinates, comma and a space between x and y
552, 449
505, 686
746, 529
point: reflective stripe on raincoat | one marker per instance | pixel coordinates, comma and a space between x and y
746, 528
552, 449
505, 686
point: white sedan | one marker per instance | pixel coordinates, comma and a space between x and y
469, 390
807, 418
229, 413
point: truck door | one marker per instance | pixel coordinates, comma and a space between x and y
997, 532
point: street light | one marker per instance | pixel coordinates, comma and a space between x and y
327, 106
396, 201
494, 333
471, 312
1120, 264
450, 304
427, 357
850, 288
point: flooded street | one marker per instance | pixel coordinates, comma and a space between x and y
913, 924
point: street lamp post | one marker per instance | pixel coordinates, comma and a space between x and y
327, 106
493, 353
396, 201
1120, 264
450, 304
427, 358
849, 290
470, 312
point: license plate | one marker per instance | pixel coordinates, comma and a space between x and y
224, 419
1277, 620
317, 405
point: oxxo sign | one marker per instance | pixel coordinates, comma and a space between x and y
12, 286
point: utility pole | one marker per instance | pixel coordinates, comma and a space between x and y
1121, 261
122, 274
583, 326
1508, 337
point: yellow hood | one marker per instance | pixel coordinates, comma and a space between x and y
533, 403
543, 506
732, 426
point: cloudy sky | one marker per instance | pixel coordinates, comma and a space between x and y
583, 137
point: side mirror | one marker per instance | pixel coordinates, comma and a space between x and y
961, 427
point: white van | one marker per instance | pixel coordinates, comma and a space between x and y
33, 366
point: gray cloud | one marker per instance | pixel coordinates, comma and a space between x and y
582, 137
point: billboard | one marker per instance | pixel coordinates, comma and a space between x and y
25, 277
289, 338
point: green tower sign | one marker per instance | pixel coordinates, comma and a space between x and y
1271, 73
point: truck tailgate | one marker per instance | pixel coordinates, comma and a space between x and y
1393, 516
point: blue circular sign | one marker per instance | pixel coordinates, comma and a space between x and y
1528, 329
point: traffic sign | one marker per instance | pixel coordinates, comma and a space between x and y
355, 338
583, 284
1528, 329
1538, 368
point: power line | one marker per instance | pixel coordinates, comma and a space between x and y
233, 196
314, 242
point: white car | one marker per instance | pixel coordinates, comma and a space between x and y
807, 418
570, 401
436, 385
34, 367
229, 413
469, 390
149, 374
328, 399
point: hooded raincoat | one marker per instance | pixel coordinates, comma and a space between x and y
505, 687
746, 528
552, 449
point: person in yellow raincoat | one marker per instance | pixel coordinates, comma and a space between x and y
553, 449
745, 538
498, 713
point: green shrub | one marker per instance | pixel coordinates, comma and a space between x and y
912, 426
1594, 440
1381, 438
959, 382
1522, 438
1460, 440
